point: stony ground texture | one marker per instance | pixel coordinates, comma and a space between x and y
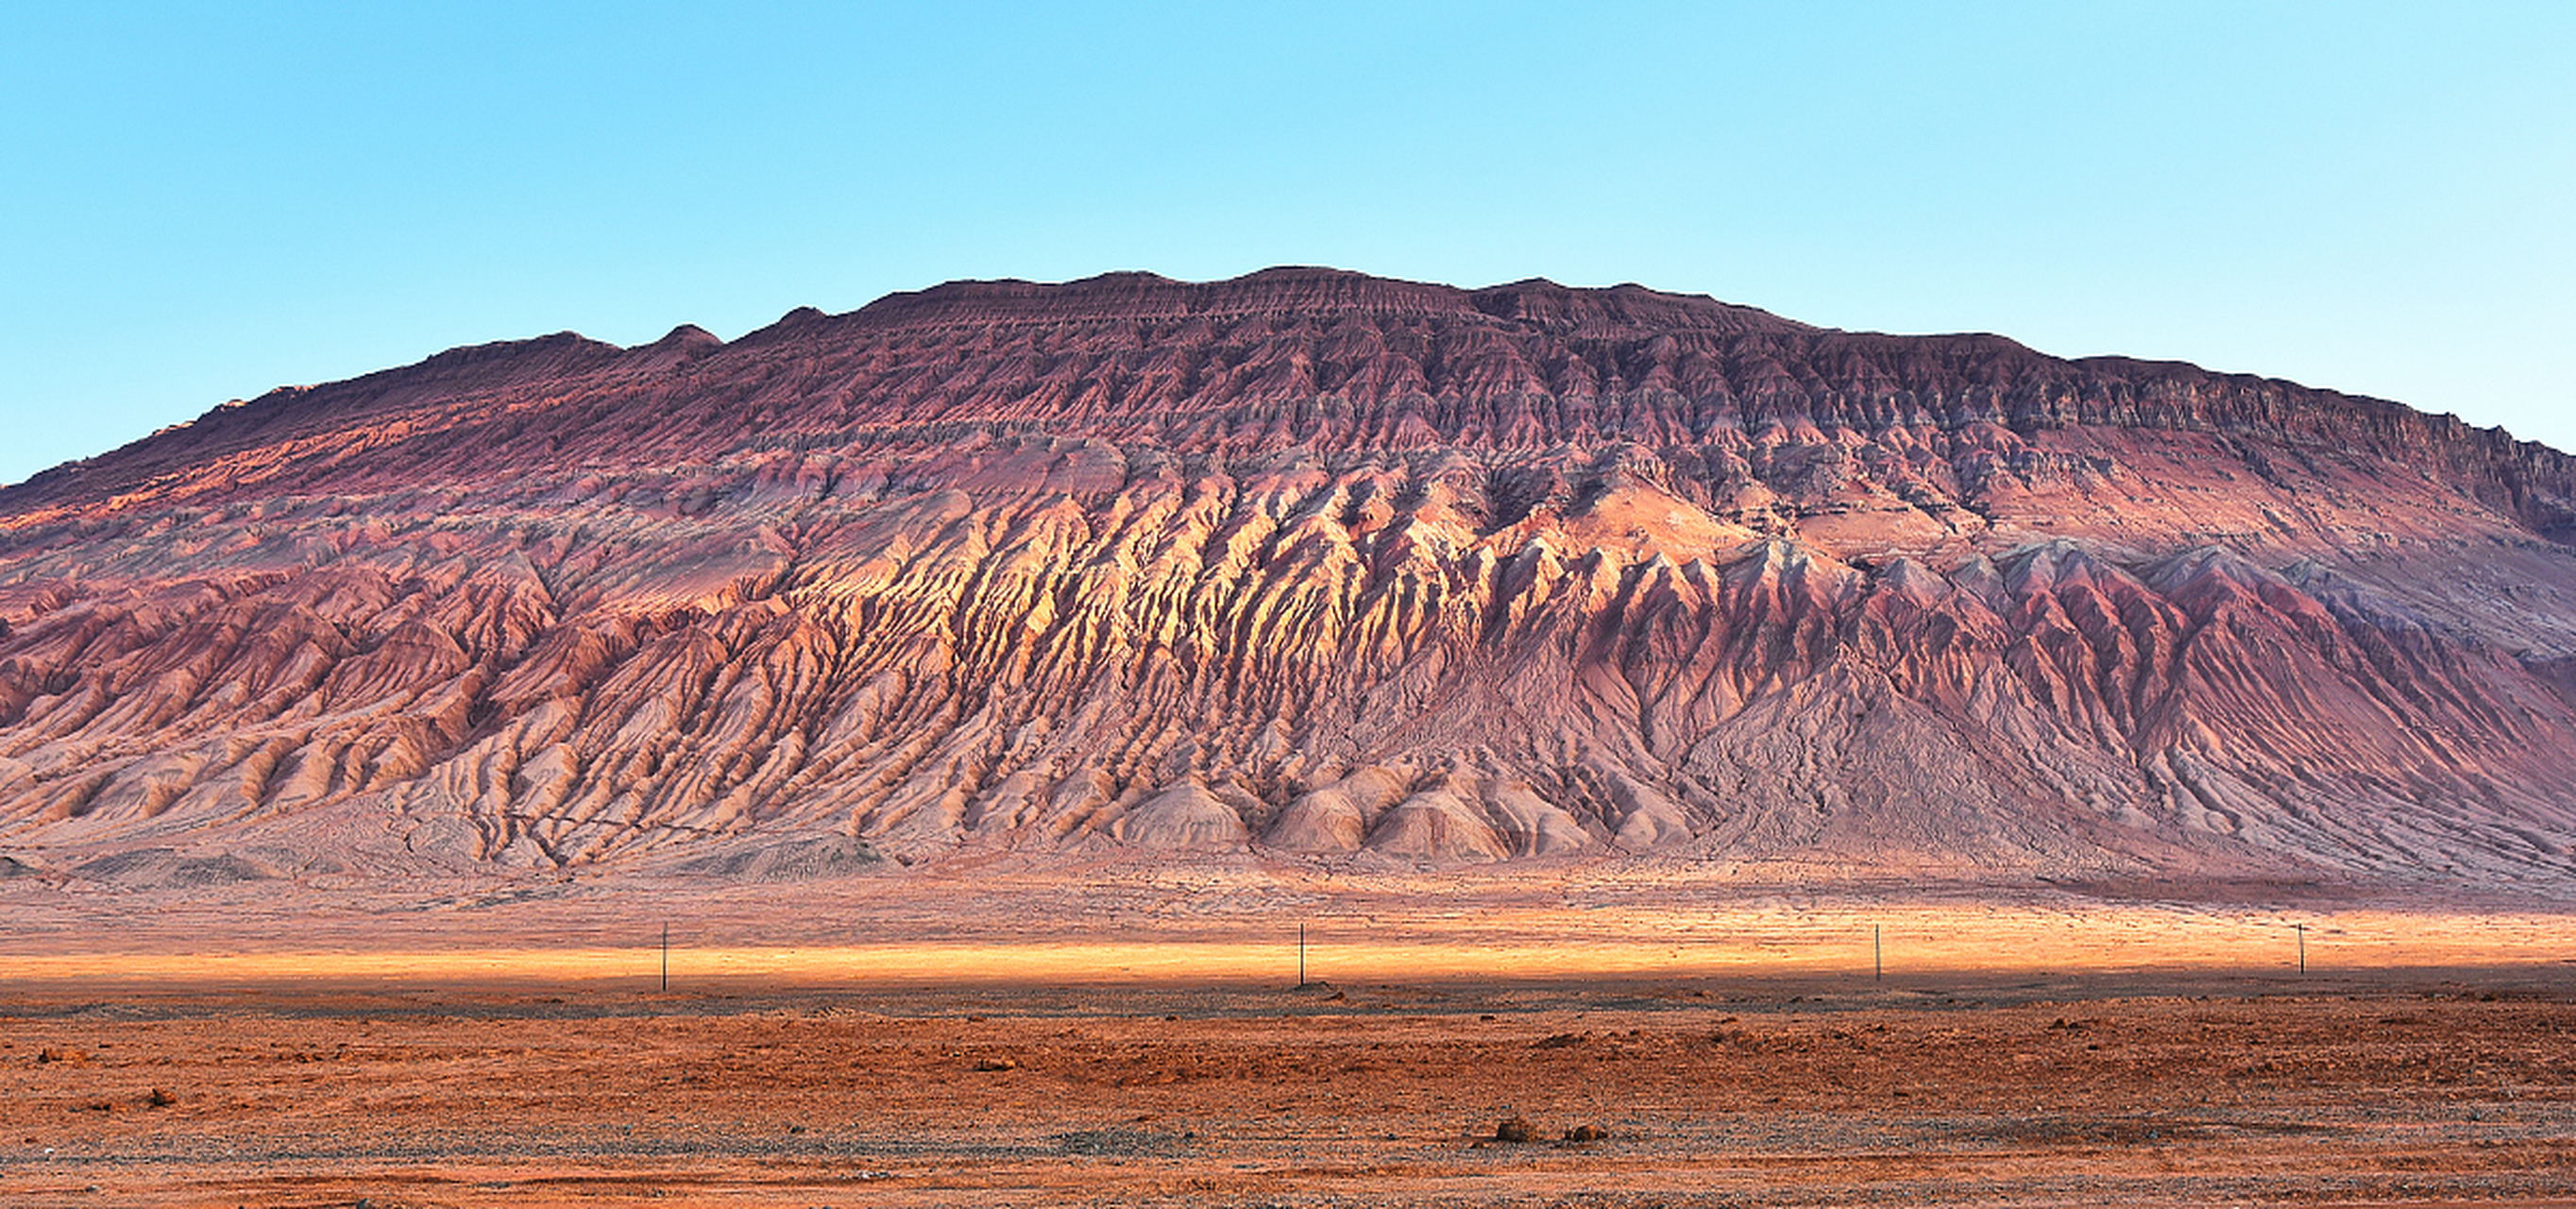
2419, 1088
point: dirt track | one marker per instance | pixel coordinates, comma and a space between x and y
2401, 1088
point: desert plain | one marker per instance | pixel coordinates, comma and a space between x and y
1709, 758
1138, 1033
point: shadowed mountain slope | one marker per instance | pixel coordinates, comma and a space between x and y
1307, 563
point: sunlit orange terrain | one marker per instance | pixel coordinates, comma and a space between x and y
1825, 1050
1710, 759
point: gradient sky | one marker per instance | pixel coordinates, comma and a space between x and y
205, 201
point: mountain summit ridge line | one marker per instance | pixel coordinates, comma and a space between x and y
1305, 566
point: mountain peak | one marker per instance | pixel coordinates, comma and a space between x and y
1304, 565
1298, 290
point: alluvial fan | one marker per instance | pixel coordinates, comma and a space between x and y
1308, 565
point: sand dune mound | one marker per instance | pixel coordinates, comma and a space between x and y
792, 861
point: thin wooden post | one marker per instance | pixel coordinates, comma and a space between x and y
1877, 957
2302, 930
666, 958
1301, 954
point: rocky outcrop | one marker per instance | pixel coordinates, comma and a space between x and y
1306, 563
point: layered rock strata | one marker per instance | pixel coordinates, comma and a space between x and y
1308, 564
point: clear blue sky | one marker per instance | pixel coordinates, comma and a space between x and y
207, 200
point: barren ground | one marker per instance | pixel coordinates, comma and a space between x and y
2046, 1050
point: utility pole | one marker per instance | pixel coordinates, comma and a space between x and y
1877, 957
666, 957
2302, 930
1301, 954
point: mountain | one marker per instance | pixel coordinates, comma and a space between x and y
1307, 565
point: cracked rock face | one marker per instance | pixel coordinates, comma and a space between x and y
1304, 563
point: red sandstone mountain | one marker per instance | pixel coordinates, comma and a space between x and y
1305, 562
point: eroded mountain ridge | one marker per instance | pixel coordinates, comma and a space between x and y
1307, 563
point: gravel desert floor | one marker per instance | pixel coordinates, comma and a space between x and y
1582, 1047
2439, 1088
